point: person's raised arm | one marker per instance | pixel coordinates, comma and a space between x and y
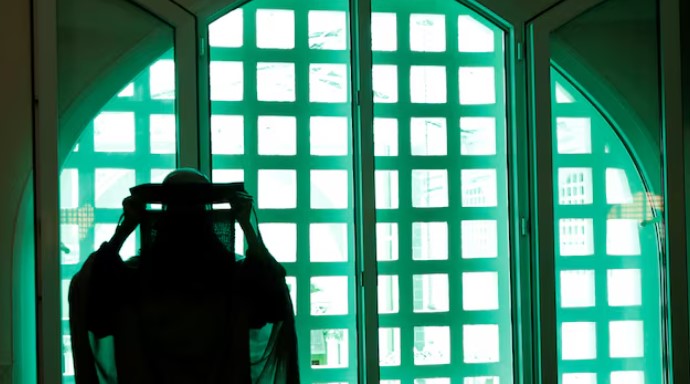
133, 212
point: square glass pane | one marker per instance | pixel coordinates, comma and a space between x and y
112, 186
428, 136
617, 187
329, 295
328, 83
430, 293
227, 31
479, 188
477, 85
384, 28
227, 175
579, 378
281, 239
427, 33
163, 134
291, 282
480, 291
277, 135
328, 242
477, 136
576, 237
70, 243
389, 294
622, 237
385, 137
575, 186
430, 241
162, 80
275, 28
386, 241
227, 134
327, 30
385, 83
624, 287
574, 135
435, 380
386, 191
479, 239
69, 188
429, 188
562, 95
114, 132
431, 345
389, 347
227, 80
474, 36
329, 189
577, 288
329, 348
277, 189
104, 232
275, 82
578, 341
127, 91
329, 136
428, 84
626, 339
480, 343
627, 377
158, 175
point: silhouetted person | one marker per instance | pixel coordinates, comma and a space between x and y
185, 310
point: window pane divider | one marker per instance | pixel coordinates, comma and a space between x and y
364, 187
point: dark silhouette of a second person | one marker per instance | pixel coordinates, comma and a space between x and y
183, 310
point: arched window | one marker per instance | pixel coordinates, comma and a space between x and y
281, 121
608, 245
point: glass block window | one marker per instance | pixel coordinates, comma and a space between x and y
281, 122
607, 255
441, 194
131, 141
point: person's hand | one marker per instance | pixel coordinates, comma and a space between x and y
242, 204
134, 211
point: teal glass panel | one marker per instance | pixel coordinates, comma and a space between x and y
441, 195
281, 122
608, 196
131, 140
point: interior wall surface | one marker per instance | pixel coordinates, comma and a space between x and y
16, 158
609, 54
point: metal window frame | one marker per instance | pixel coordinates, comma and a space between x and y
676, 273
47, 164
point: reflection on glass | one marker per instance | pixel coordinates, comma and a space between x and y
131, 140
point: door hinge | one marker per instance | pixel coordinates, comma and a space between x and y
524, 226
202, 46
520, 47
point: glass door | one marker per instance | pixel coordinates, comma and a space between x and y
442, 204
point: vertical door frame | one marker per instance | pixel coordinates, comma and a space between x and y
545, 335
673, 148
47, 165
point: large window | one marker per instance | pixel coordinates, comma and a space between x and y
281, 121
131, 141
607, 256
441, 195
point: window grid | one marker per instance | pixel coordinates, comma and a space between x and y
328, 347
607, 268
80, 205
445, 200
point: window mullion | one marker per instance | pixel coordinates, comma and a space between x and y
365, 210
